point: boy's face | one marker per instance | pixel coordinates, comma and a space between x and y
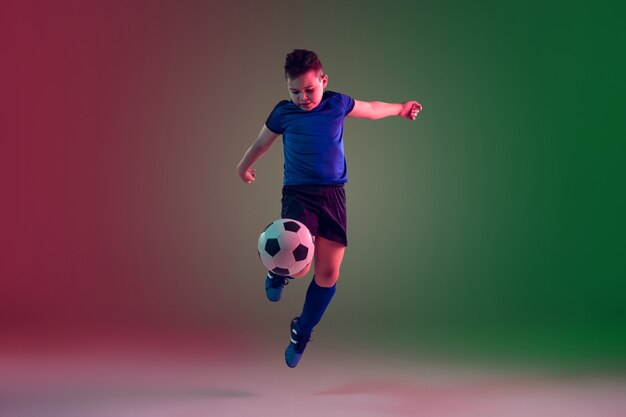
307, 89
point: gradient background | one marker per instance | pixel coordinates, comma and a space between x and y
490, 227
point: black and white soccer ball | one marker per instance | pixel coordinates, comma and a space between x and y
286, 247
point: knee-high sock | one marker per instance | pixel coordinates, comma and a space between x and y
315, 303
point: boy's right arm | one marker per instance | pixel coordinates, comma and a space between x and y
262, 143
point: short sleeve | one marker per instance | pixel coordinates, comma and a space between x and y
274, 122
348, 103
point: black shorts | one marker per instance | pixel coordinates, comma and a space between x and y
322, 208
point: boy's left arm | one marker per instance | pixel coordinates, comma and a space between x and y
377, 109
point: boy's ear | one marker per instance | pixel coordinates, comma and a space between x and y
324, 80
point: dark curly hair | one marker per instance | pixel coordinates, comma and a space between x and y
301, 61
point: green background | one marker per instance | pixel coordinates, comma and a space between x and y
490, 226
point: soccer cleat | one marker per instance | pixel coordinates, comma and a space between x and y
296, 346
274, 285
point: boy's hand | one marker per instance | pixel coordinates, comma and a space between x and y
410, 109
248, 175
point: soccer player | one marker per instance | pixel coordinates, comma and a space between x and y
315, 172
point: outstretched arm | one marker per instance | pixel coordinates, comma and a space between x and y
261, 145
378, 109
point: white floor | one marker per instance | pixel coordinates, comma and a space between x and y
227, 381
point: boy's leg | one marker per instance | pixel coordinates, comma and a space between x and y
328, 258
327, 262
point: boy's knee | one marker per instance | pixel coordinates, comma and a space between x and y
326, 278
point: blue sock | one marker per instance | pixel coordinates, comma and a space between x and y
315, 303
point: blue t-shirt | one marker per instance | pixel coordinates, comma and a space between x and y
313, 140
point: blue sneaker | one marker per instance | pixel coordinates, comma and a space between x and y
274, 285
296, 346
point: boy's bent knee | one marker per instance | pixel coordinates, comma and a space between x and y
326, 280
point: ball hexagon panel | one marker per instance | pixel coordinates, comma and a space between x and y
267, 260
284, 259
288, 240
305, 237
274, 230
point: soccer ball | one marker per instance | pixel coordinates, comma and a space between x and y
286, 247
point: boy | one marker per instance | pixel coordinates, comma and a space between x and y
314, 174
